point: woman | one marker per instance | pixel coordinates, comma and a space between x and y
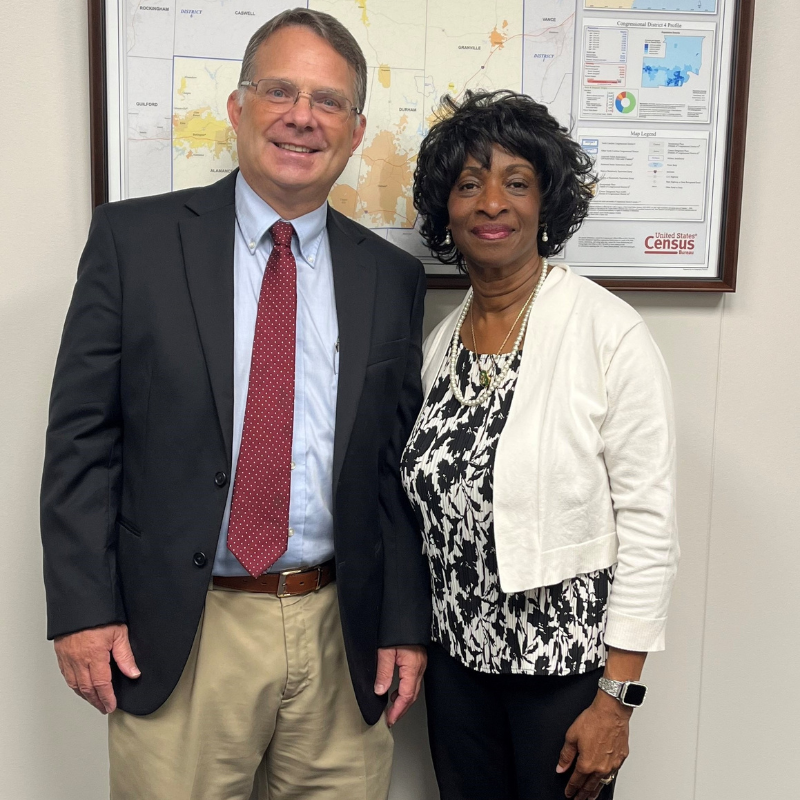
541, 469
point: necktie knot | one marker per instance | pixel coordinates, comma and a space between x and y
282, 233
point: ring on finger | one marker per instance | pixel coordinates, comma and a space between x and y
608, 779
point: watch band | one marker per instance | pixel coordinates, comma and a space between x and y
629, 693
614, 688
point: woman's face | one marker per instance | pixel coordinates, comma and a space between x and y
494, 213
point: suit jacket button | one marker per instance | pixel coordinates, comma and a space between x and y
199, 559
220, 479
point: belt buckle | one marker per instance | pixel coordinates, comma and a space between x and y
282, 582
319, 578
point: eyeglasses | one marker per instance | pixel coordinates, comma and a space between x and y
282, 95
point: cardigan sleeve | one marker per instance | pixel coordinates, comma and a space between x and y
639, 441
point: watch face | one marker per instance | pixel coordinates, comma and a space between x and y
633, 694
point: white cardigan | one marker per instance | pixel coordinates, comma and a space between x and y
584, 474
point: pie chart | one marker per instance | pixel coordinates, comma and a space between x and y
625, 102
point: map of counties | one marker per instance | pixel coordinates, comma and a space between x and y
684, 55
183, 60
698, 6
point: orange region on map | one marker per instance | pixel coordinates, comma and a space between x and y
344, 199
385, 184
496, 37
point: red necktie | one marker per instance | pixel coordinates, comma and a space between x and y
258, 530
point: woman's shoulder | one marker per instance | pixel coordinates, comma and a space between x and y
599, 308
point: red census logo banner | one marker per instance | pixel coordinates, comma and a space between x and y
670, 243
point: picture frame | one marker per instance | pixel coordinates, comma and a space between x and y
726, 168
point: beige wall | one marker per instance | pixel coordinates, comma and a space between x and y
720, 721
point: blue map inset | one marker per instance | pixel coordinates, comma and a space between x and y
684, 55
700, 6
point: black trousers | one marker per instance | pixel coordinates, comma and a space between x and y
498, 737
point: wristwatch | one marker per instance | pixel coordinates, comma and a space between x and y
629, 693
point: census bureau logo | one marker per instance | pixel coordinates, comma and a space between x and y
662, 244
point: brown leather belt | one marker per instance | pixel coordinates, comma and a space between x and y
289, 583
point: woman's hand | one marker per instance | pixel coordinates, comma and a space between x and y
599, 740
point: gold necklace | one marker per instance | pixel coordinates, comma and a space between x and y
485, 378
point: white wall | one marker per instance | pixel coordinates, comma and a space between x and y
51, 748
720, 720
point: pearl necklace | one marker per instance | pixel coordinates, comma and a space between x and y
485, 380
500, 379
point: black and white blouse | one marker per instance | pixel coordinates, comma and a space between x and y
447, 470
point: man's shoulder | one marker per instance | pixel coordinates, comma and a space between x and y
387, 255
170, 206
158, 206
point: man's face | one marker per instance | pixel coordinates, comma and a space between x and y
293, 182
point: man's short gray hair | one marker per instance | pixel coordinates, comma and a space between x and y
326, 27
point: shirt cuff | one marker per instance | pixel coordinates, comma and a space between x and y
634, 633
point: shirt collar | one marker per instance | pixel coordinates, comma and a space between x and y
255, 217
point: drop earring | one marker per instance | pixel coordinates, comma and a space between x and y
448, 239
545, 237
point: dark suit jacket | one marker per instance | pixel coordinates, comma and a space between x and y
139, 442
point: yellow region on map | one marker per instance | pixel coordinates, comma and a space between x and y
362, 4
203, 141
200, 129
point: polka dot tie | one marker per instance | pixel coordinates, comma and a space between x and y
258, 531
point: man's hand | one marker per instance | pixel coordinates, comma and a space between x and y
411, 662
599, 739
84, 659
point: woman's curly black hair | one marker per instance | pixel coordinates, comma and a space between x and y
522, 127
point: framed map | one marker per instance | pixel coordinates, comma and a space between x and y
655, 90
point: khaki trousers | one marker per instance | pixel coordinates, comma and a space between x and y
264, 710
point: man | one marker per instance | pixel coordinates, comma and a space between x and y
238, 374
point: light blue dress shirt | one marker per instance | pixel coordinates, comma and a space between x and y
315, 380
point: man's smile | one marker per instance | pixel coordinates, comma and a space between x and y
294, 148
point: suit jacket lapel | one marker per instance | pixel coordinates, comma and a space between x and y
354, 276
208, 243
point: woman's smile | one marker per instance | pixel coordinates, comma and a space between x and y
491, 231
